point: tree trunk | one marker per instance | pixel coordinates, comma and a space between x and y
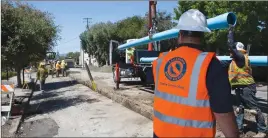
18, 77
7, 72
89, 60
23, 75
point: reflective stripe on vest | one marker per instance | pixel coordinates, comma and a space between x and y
190, 100
239, 75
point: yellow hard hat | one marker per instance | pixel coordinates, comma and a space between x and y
42, 64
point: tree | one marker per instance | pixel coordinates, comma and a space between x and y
74, 55
250, 15
251, 27
95, 41
27, 34
131, 28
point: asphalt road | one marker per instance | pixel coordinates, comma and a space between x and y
68, 109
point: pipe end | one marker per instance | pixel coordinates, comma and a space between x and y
231, 18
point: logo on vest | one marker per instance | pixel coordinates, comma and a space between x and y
175, 68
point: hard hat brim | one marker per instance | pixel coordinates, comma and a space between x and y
193, 28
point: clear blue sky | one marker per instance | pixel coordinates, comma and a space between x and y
69, 15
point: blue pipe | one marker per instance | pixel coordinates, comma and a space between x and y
254, 60
218, 22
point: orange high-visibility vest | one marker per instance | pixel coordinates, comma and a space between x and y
58, 67
181, 101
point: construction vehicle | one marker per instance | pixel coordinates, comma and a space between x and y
127, 68
70, 62
122, 67
141, 56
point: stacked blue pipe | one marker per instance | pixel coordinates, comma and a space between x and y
254, 60
219, 22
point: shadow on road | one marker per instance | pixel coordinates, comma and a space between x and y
59, 103
57, 85
46, 95
56, 100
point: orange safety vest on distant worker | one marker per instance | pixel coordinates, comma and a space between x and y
181, 101
58, 67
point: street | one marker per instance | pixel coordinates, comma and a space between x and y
68, 109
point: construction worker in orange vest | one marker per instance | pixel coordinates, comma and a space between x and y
242, 81
192, 90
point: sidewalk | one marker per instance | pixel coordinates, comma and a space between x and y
21, 96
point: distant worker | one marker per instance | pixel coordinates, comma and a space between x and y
130, 54
39, 65
63, 68
42, 74
58, 68
192, 90
52, 69
241, 80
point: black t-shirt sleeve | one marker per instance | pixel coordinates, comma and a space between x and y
219, 88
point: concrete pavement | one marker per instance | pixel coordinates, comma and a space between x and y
139, 98
68, 109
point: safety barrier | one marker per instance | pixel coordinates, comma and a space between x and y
219, 22
8, 89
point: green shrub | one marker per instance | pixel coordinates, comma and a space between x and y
10, 74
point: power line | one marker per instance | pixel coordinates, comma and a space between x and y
70, 40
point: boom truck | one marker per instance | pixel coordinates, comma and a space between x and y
125, 63
144, 58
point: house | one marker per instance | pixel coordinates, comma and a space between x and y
84, 57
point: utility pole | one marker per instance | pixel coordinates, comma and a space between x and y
83, 62
88, 21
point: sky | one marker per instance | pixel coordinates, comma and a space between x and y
69, 16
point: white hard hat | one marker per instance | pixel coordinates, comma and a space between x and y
239, 46
193, 20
